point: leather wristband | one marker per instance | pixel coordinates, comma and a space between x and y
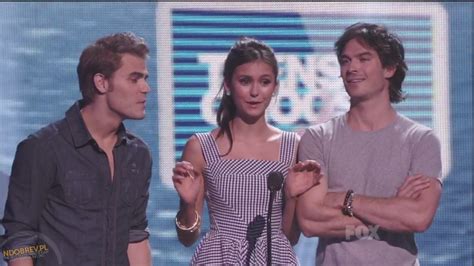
347, 206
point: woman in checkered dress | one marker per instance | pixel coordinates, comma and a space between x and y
228, 167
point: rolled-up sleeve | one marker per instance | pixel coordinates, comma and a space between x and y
139, 223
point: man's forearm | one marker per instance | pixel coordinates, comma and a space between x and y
23, 261
394, 214
139, 254
399, 214
320, 219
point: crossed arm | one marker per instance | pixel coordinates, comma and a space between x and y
318, 218
399, 213
411, 210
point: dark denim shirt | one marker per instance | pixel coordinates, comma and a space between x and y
61, 193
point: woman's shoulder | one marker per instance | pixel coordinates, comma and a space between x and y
193, 144
200, 135
289, 134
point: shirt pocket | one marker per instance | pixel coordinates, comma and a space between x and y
82, 188
130, 183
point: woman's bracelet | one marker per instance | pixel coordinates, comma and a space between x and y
192, 228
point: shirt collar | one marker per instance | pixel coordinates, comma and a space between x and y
79, 132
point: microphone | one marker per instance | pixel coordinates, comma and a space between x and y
274, 183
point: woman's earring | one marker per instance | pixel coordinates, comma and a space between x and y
227, 93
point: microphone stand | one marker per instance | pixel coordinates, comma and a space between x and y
274, 183
269, 228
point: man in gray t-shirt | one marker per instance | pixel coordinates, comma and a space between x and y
382, 170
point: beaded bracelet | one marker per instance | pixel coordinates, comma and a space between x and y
347, 206
192, 228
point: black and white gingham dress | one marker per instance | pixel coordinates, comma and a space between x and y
237, 199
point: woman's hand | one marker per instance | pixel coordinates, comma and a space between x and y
186, 182
301, 177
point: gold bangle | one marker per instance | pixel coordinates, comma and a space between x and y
192, 228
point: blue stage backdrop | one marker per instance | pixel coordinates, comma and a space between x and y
41, 44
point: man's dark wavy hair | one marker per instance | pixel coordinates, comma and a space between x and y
388, 47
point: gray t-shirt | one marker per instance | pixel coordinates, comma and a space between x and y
373, 164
